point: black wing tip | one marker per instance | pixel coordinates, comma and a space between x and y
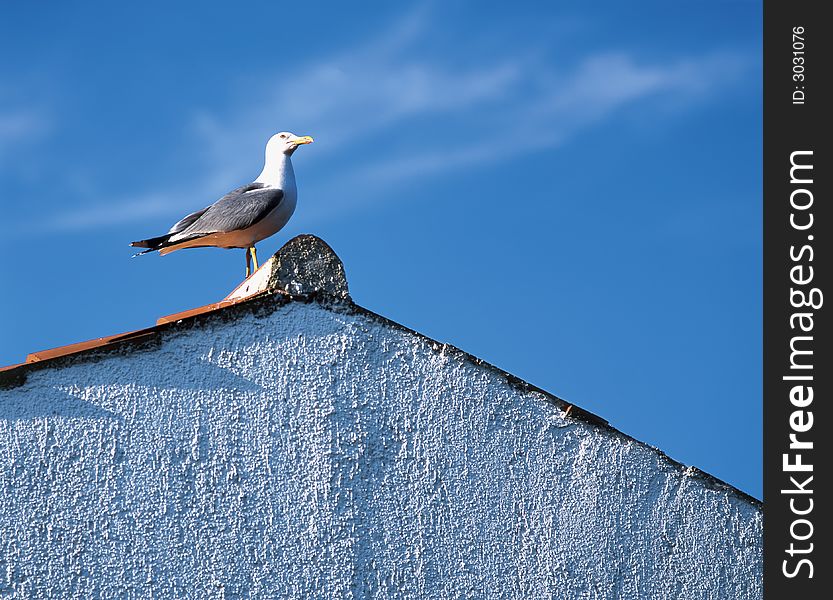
154, 243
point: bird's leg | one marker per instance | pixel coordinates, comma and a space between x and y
248, 258
254, 257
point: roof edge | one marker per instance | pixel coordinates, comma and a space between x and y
270, 301
305, 269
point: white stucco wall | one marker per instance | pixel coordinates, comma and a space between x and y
315, 452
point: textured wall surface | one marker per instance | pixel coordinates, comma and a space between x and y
321, 452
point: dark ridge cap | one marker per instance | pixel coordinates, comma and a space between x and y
718, 484
145, 339
12, 378
306, 264
572, 411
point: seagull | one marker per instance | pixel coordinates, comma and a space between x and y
244, 216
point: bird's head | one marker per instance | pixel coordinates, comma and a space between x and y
286, 143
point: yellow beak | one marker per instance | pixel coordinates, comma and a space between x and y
303, 140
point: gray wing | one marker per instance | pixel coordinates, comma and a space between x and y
187, 221
237, 210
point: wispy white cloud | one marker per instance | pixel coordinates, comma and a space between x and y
104, 215
522, 102
20, 126
354, 93
562, 106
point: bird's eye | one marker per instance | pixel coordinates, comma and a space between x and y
283, 136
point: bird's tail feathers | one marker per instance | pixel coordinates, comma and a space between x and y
153, 243
162, 243
143, 252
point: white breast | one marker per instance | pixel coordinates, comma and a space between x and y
281, 176
276, 219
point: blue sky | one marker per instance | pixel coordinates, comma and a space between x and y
570, 191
